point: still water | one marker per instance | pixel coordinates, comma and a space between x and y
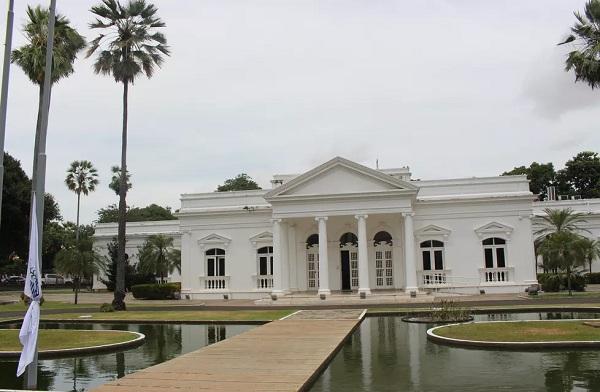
387, 354
163, 342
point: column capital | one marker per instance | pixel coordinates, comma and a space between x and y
405, 214
361, 216
319, 218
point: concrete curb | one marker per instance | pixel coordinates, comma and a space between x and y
137, 341
515, 346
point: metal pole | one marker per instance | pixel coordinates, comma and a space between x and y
4, 93
40, 170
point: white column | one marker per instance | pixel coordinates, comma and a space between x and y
410, 267
323, 260
285, 267
277, 278
292, 259
363, 256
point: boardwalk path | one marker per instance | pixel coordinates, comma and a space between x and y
284, 355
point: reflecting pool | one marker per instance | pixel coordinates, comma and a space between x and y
163, 342
387, 354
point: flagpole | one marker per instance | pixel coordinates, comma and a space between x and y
4, 92
40, 171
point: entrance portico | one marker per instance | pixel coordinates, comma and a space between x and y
342, 197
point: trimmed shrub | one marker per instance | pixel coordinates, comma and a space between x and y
156, 290
592, 278
105, 307
550, 282
577, 282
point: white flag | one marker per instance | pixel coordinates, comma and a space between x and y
33, 289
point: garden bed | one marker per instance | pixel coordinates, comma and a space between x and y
519, 334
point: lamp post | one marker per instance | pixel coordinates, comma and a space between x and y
4, 92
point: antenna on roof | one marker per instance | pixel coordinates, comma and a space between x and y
377, 163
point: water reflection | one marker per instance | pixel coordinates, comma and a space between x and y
163, 342
386, 354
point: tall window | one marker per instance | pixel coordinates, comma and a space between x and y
312, 261
433, 255
494, 250
215, 262
265, 260
384, 271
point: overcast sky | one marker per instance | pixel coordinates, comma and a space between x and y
451, 88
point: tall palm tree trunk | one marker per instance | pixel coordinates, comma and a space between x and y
77, 228
119, 297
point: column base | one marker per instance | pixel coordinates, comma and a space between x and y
410, 290
324, 292
277, 293
366, 291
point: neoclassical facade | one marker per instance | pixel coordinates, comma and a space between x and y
345, 227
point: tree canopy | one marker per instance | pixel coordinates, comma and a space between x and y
540, 176
16, 206
242, 182
153, 212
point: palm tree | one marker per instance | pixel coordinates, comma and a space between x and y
584, 60
31, 57
158, 256
115, 181
128, 46
564, 251
591, 250
79, 261
557, 221
82, 177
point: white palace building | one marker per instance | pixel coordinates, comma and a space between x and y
343, 226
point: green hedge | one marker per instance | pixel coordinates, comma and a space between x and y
592, 278
551, 282
156, 290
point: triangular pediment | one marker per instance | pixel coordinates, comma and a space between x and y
340, 176
264, 237
432, 231
214, 239
494, 228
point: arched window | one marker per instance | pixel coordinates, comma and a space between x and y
433, 255
384, 271
264, 256
265, 260
382, 237
215, 262
348, 239
312, 261
494, 250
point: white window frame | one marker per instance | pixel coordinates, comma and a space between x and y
269, 256
384, 266
431, 250
353, 264
216, 258
312, 256
494, 248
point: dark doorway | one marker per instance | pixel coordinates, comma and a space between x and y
346, 270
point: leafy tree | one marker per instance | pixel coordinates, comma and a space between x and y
128, 46
158, 256
242, 182
131, 276
16, 202
79, 261
584, 59
540, 176
559, 221
59, 235
153, 212
82, 177
115, 181
582, 173
590, 249
563, 250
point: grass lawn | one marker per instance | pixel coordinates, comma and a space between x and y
565, 294
179, 315
53, 339
20, 306
522, 331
